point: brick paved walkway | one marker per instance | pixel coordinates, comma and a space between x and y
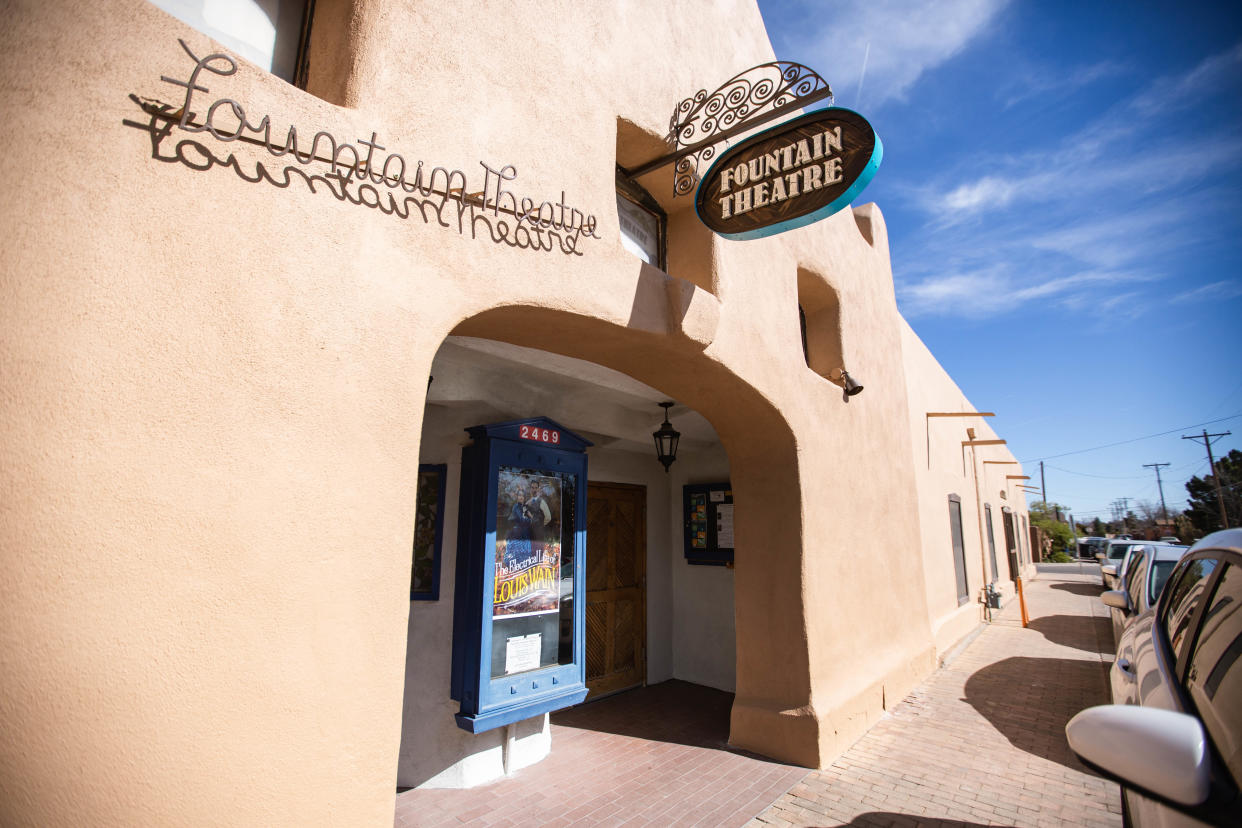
981, 742
656, 756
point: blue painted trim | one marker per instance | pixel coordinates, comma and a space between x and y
834, 206
499, 717
488, 702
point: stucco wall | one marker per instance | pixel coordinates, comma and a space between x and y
943, 467
214, 389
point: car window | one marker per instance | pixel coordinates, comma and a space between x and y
1134, 579
1117, 550
1160, 571
1187, 592
1214, 680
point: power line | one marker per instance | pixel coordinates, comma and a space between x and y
1097, 476
1134, 440
1177, 468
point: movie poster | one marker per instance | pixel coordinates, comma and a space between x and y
528, 543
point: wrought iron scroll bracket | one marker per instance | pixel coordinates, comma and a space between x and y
760, 94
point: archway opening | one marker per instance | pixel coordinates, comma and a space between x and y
680, 621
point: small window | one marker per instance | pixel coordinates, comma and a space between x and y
1024, 541
643, 224
270, 33
959, 548
987, 518
819, 319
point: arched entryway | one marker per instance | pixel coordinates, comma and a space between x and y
513, 363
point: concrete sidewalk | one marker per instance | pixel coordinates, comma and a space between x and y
982, 741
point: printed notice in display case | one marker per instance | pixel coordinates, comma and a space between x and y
522, 653
708, 518
724, 525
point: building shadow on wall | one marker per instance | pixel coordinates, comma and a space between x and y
1078, 588
1030, 700
1090, 634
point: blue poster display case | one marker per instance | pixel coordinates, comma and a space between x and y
519, 606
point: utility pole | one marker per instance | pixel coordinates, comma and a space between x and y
1164, 513
1043, 490
1123, 506
1220, 498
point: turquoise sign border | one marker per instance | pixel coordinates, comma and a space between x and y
841, 201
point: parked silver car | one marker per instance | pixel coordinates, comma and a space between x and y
1173, 737
1142, 578
1110, 564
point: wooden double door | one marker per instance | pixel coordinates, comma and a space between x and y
616, 612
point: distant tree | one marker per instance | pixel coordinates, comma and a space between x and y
1044, 515
1097, 528
1149, 513
1186, 531
1203, 508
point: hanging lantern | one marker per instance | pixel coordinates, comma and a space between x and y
666, 439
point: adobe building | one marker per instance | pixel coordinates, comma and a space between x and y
290, 293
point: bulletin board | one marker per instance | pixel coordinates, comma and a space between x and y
707, 510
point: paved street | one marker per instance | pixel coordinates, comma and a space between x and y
980, 743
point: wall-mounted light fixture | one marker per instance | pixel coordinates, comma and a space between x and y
849, 386
666, 439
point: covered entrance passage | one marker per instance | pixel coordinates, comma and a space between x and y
652, 614
616, 587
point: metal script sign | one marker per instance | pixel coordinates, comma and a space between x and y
789, 176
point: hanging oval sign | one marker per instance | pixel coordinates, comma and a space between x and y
789, 176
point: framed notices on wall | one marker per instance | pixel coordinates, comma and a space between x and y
707, 511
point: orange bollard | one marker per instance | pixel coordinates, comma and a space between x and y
1022, 602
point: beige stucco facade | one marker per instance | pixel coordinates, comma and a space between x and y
215, 392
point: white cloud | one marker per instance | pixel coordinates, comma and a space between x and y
1118, 202
899, 40
996, 290
1042, 80
988, 191
1216, 292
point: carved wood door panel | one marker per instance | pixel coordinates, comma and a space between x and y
616, 587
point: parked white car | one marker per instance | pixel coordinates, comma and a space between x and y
1144, 572
1114, 555
1173, 737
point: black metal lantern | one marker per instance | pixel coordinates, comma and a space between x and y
666, 439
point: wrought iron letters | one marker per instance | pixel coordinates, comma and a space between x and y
372, 167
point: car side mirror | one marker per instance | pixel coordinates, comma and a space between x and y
1109, 569
1099, 556
1116, 599
1161, 753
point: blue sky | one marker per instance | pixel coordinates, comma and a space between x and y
1062, 184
